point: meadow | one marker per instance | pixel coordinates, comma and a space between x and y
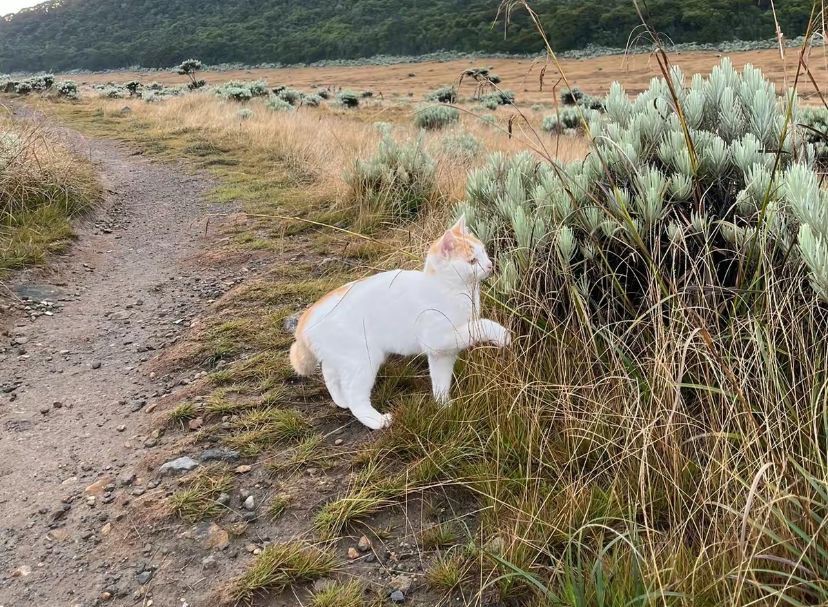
658, 433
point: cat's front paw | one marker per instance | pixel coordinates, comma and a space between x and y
503, 339
385, 420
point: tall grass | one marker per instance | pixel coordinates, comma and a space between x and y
42, 186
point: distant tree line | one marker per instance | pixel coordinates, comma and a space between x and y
100, 34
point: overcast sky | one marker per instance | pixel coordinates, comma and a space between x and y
12, 6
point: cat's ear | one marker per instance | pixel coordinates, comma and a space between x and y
460, 226
447, 243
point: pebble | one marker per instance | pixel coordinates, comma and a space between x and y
182, 464
353, 553
96, 364
397, 597
364, 544
144, 577
338, 442
250, 503
243, 469
402, 583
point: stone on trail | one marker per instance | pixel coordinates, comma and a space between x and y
182, 464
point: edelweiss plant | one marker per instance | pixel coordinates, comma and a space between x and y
707, 200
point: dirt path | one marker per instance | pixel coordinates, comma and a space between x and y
74, 390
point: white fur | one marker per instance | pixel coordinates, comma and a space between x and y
432, 312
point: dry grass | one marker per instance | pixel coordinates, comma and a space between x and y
42, 186
520, 75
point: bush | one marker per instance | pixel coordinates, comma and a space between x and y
814, 124
112, 92
311, 100
444, 94
23, 88
68, 89
277, 104
347, 99
196, 84
396, 182
323, 93
292, 96
462, 146
242, 91
134, 88
645, 208
569, 119
572, 96
492, 100
244, 113
435, 117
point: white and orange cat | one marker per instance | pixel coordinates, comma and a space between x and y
435, 312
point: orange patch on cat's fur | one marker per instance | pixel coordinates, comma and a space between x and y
303, 320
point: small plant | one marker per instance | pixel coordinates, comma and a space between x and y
444, 94
323, 93
448, 573
435, 117
190, 68
277, 507
282, 565
200, 499
572, 96
244, 113
396, 182
340, 594
182, 413
277, 104
347, 99
23, 88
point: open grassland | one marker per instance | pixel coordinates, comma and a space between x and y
42, 186
520, 75
653, 438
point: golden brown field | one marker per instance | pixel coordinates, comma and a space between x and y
520, 75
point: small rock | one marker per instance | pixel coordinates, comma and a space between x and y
364, 544
44, 409
209, 562
401, 583
219, 454
250, 503
121, 428
126, 478
106, 529
105, 596
397, 597
338, 442
144, 577
22, 571
96, 364
353, 553
243, 469
182, 464
195, 423
223, 499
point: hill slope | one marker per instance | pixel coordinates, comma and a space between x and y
99, 34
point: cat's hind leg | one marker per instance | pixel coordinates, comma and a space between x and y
334, 384
358, 387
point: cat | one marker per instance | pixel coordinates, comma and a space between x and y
352, 329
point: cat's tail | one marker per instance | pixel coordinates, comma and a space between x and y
302, 359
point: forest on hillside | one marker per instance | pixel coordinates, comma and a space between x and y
100, 34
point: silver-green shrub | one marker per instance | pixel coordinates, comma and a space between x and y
311, 100
242, 91
444, 94
277, 104
646, 211
434, 117
396, 182
67, 89
347, 99
570, 120
814, 122
461, 146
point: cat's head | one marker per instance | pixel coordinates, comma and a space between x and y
459, 254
